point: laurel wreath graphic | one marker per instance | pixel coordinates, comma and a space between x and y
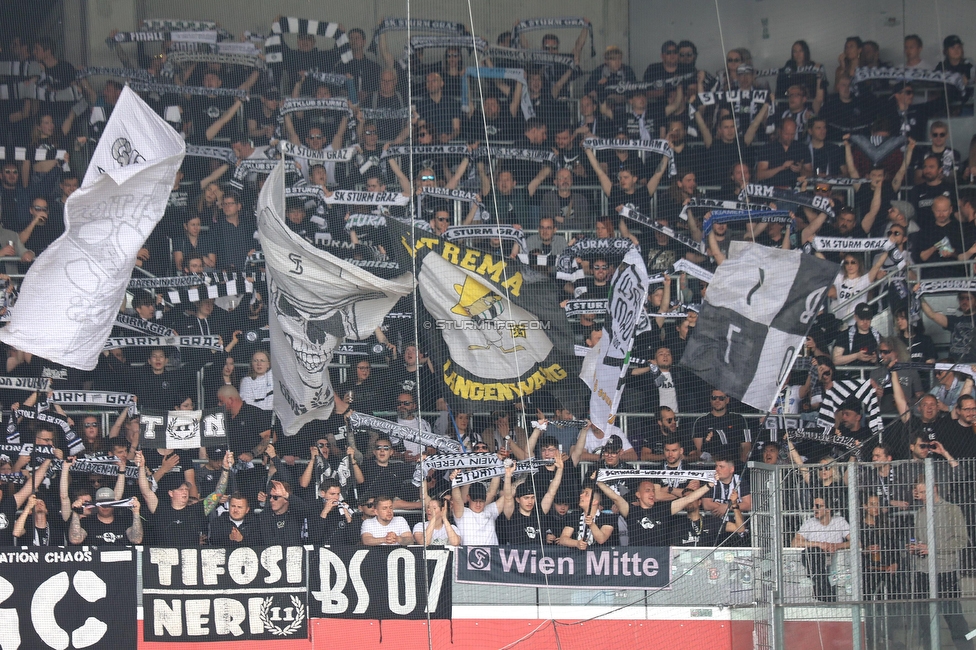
289, 629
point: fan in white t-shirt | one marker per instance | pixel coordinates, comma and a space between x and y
476, 522
385, 529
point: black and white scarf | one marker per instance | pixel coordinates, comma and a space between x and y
23, 70
911, 75
195, 36
876, 148
497, 52
424, 42
205, 342
224, 55
819, 435
692, 269
851, 244
353, 197
293, 104
455, 195
629, 211
178, 281
944, 286
541, 156
92, 398
660, 147
141, 325
199, 91
24, 90
780, 195
625, 87
75, 445
386, 113
258, 166
416, 25
272, 44
234, 287
330, 78
426, 150
803, 69
123, 73
37, 155
506, 233
580, 306
716, 204
33, 384
512, 74
736, 216
534, 24
588, 248
225, 154
756, 97
170, 25
836, 181
606, 475
320, 155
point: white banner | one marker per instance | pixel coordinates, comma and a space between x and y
316, 301
107, 221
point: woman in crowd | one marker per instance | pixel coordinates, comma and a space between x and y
799, 58
851, 281
437, 530
208, 203
194, 240
43, 175
257, 389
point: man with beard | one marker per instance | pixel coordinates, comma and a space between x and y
334, 523
236, 527
571, 210
720, 430
248, 427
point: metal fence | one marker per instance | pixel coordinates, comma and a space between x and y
863, 549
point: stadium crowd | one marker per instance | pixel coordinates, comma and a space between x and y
856, 143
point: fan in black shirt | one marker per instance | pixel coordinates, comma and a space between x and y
649, 522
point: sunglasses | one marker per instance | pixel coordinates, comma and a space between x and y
822, 188
38, 208
719, 398
849, 262
402, 403
275, 497
896, 233
600, 267
733, 60
315, 137
369, 504
880, 351
91, 425
428, 178
384, 447
939, 135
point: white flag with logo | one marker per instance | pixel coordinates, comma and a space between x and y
72, 293
756, 314
317, 300
605, 366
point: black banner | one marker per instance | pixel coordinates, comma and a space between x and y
182, 429
382, 582
602, 567
79, 597
196, 594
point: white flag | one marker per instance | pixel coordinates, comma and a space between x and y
605, 366
317, 300
72, 293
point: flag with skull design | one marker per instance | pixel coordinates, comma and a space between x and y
316, 302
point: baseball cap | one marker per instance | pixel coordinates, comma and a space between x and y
523, 490
104, 494
614, 443
864, 310
478, 492
905, 208
950, 41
